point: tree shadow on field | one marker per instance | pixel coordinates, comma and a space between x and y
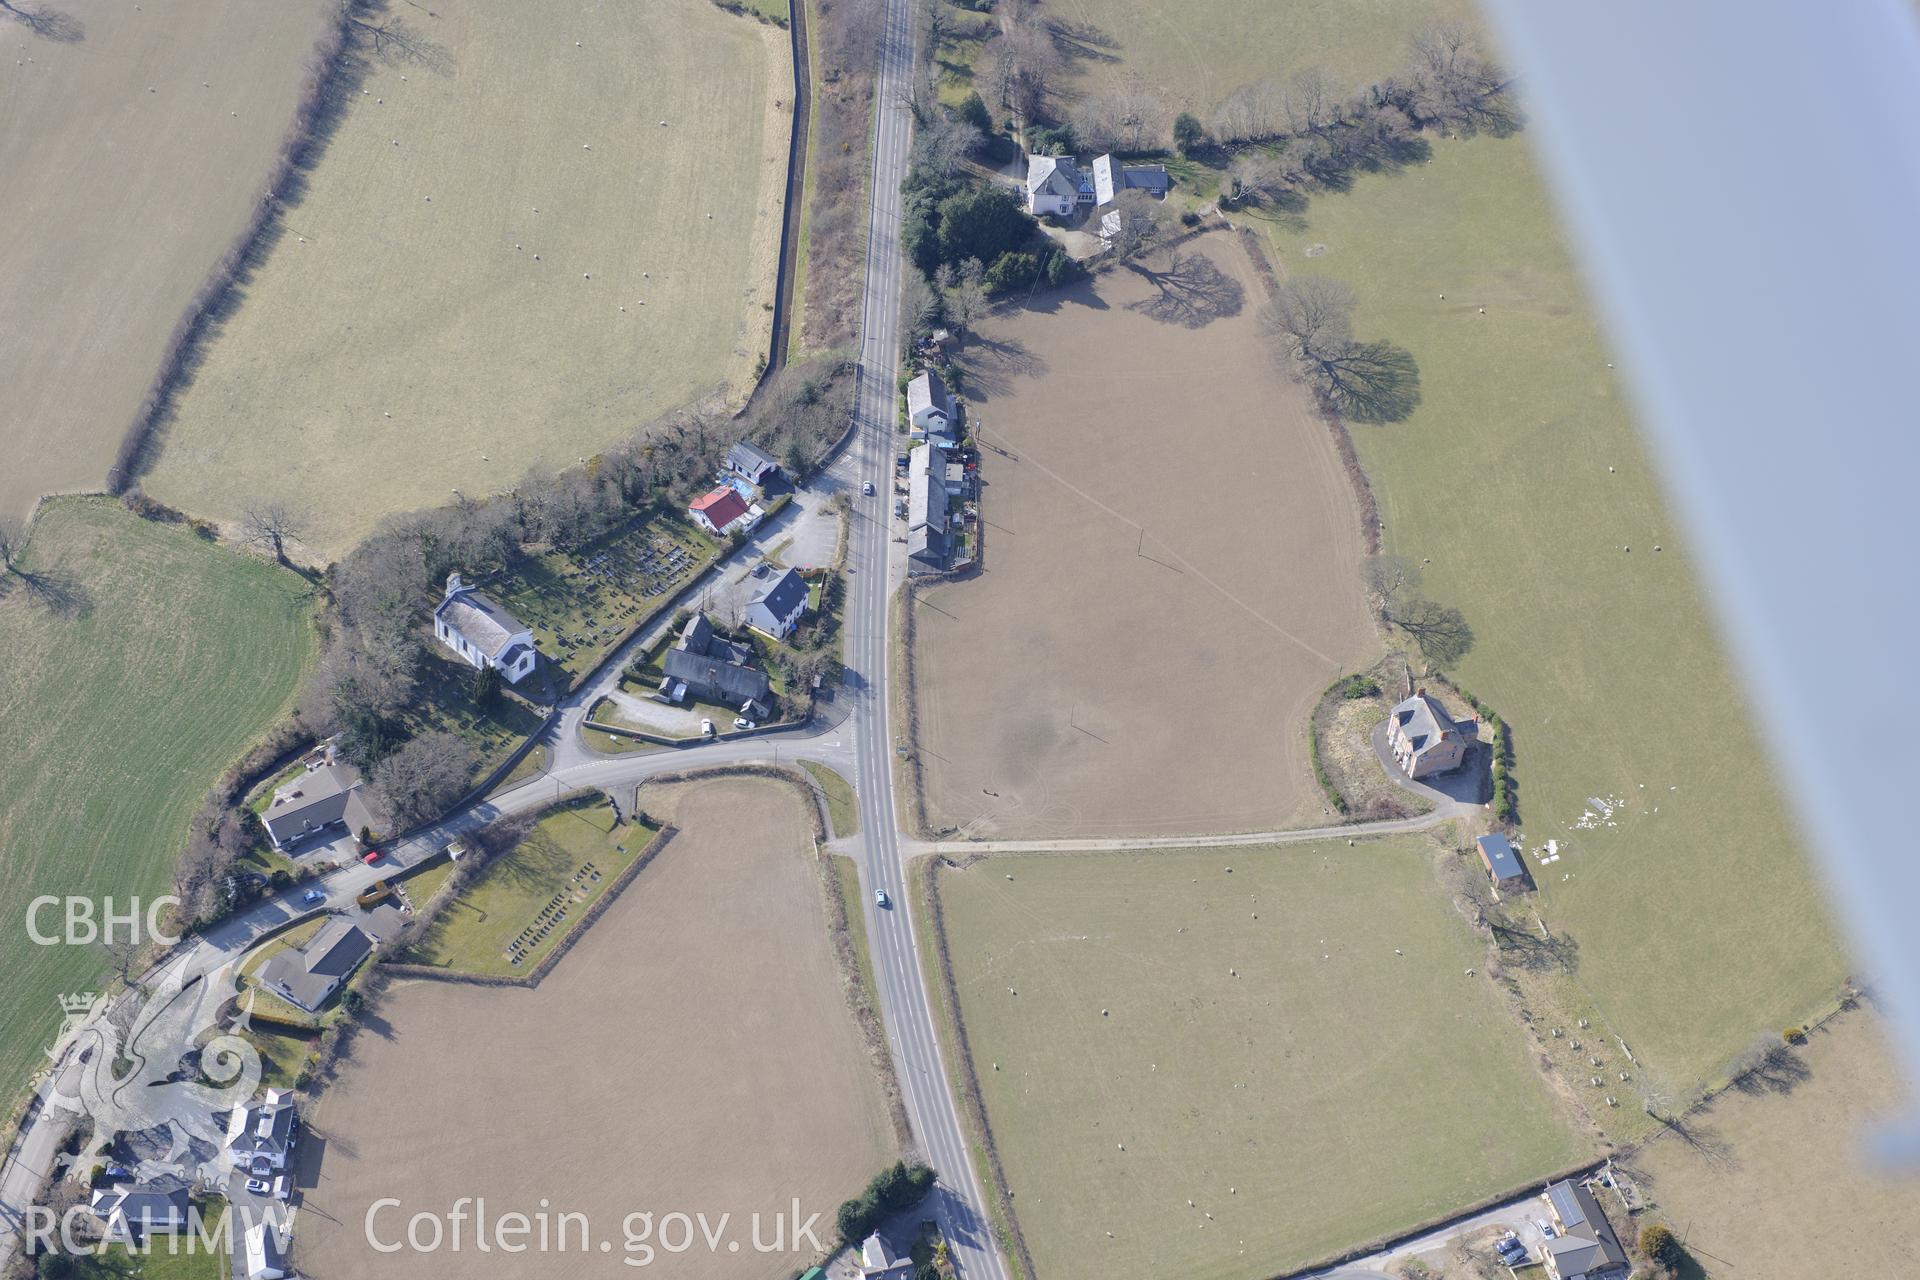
1191, 292
57, 590
993, 363
1081, 42
45, 21
1776, 1069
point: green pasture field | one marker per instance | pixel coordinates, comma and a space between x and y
1523, 478
1293, 1045
118, 711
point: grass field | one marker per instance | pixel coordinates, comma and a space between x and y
416, 280
1778, 1187
842, 813
1063, 690
694, 1052
1209, 48
1247, 1040
1701, 924
121, 201
505, 922
117, 721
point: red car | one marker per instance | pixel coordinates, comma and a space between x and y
370, 857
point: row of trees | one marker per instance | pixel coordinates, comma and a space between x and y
892, 1190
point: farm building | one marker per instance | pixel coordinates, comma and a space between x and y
482, 633
751, 462
129, 1212
327, 796
311, 975
1502, 863
777, 609
261, 1135
1110, 178
879, 1261
707, 668
928, 537
724, 511
929, 405
1425, 739
1058, 186
1586, 1248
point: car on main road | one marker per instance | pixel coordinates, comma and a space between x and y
312, 896
880, 898
257, 1185
867, 488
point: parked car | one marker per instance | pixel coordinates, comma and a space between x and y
312, 896
741, 722
1512, 1252
880, 898
257, 1185
867, 488
706, 728
370, 857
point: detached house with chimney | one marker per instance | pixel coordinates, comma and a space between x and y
482, 633
1426, 740
1057, 186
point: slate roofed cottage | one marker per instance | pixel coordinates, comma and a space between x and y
1586, 1248
482, 633
313, 973
751, 462
929, 405
1425, 739
131, 1211
777, 609
328, 795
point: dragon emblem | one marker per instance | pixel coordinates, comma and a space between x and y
128, 1076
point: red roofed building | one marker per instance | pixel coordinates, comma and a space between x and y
721, 511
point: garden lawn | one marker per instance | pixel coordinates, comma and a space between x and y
1522, 477
1293, 1045
573, 854
842, 812
116, 720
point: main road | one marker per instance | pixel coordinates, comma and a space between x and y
875, 564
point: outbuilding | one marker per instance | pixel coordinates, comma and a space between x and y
1502, 863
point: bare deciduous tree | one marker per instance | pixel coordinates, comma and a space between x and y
422, 778
1364, 381
1440, 630
1389, 576
13, 540
1124, 117
1135, 224
271, 526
